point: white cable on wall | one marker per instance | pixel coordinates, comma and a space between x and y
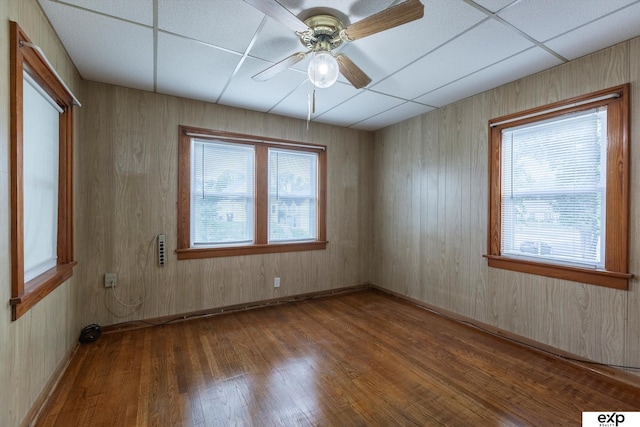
144, 280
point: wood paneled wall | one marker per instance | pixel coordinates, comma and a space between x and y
36, 345
128, 194
430, 218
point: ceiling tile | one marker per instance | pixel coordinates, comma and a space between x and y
230, 24
457, 49
109, 50
191, 69
397, 114
484, 45
386, 52
348, 12
494, 5
140, 11
524, 64
543, 19
358, 108
371, 63
295, 105
276, 42
244, 92
610, 30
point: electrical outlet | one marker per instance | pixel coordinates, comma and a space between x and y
276, 282
110, 280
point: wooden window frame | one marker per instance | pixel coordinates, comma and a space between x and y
26, 295
615, 273
260, 245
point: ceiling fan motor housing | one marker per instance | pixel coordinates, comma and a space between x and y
324, 33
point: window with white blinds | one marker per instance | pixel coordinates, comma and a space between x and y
222, 193
559, 189
243, 194
553, 189
292, 195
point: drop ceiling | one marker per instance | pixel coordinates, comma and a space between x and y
209, 49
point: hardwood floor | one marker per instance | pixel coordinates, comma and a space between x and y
361, 358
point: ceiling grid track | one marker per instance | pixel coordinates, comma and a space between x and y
98, 13
468, 75
244, 57
515, 29
377, 114
593, 20
306, 81
431, 51
397, 71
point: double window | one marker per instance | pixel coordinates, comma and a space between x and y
41, 176
241, 194
559, 192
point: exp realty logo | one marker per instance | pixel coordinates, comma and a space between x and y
610, 419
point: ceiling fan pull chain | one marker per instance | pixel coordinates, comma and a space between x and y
308, 109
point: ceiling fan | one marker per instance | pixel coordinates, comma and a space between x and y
321, 34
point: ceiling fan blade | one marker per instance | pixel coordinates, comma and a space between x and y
281, 14
352, 72
399, 14
279, 67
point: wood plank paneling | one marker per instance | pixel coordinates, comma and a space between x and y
632, 339
128, 193
364, 194
474, 240
441, 213
600, 324
606, 68
430, 176
448, 204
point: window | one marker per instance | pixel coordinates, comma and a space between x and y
222, 201
41, 176
292, 195
559, 190
242, 195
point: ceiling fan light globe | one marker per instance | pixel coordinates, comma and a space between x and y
323, 69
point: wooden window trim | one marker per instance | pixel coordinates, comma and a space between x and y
262, 144
26, 295
615, 273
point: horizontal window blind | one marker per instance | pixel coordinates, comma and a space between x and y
553, 189
292, 195
222, 193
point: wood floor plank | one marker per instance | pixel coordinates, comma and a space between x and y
362, 358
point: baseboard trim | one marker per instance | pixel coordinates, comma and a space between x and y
615, 374
181, 317
42, 399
